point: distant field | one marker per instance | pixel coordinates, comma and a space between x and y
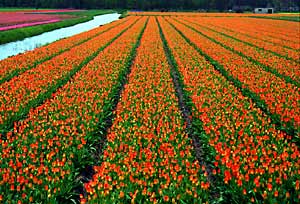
275, 16
285, 17
212, 14
15, 17
155, 108
291, 13
17, 25
23, 19
35, 10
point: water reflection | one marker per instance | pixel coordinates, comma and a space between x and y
14, 48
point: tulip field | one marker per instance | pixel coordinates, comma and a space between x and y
20, 19
155, 108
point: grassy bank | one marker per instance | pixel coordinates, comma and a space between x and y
124, 13
22, 33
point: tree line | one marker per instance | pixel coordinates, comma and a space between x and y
220, 5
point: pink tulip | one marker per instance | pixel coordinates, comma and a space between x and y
12, 20
28, 24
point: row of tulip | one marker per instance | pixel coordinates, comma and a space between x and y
253, 161
282, 33
280, 66
13, 66
246, 36
277, 98
148, 157
43, 155
32, 87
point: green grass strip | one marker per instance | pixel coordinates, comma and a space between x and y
17, 72
40, 99
266, 68
287, 127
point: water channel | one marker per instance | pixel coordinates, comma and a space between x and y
14, 48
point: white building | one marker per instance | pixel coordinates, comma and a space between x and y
264, 10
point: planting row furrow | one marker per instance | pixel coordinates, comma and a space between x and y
148, 157
200, 147
18, 64
272, 94
281, 67
253, 161
43, 155
251, 32
31, 88
266, 49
